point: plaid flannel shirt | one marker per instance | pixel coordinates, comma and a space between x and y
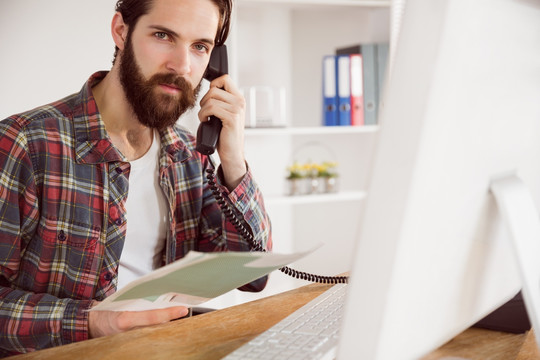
63, 187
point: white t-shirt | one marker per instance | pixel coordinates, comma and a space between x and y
147, 218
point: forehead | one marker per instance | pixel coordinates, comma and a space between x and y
199, 18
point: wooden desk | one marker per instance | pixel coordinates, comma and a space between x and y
214, 335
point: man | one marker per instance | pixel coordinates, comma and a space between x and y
102, 186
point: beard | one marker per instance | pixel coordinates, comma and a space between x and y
154, 109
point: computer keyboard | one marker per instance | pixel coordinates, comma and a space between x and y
310, 332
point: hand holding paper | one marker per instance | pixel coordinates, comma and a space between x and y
195, 279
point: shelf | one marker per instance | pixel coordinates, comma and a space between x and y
316, 198
311, 3
316, 130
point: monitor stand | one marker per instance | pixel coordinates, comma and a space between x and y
518, 211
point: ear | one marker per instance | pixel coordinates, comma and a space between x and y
119, 30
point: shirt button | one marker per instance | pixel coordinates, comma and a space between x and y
108, 277
61, 235
118, 222
119, 170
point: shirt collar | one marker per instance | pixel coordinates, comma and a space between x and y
174, 140
93, 145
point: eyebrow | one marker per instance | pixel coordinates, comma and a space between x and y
176, 35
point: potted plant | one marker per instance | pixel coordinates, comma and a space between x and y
295, 176
311, 171
328, 175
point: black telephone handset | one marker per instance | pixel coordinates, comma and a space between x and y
208, 131
207, 138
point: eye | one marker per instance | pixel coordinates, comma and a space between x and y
201, 48
161, 35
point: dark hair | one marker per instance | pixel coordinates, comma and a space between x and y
132, 10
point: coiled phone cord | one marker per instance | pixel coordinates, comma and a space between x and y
240, 225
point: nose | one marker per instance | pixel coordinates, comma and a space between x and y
179, 60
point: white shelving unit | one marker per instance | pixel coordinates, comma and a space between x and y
296, 3
318, 130
316, 199
281, 43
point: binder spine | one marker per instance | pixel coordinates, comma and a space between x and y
370, 84
344, 90
382, 60
357, 90
330, 101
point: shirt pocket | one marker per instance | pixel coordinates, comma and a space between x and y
58, 231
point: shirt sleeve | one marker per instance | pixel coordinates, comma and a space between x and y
28, 321
36, 321
247, 202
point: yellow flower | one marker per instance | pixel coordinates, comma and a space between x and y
295, 171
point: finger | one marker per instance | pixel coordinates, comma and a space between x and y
225, 82
229, 114
133, 319
168, 314
221, 96
223, 111
222, 88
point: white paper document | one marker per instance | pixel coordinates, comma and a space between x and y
194, 279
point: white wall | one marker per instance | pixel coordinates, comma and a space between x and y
50, 48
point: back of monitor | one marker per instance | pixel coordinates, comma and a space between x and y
462, 107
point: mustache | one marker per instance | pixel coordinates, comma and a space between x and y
170, 79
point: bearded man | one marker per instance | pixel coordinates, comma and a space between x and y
103, 186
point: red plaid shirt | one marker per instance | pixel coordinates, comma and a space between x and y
63, 188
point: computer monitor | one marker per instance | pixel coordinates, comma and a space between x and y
461, 109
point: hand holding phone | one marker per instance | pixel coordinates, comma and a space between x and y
208, 132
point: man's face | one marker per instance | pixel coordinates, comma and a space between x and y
164, 58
